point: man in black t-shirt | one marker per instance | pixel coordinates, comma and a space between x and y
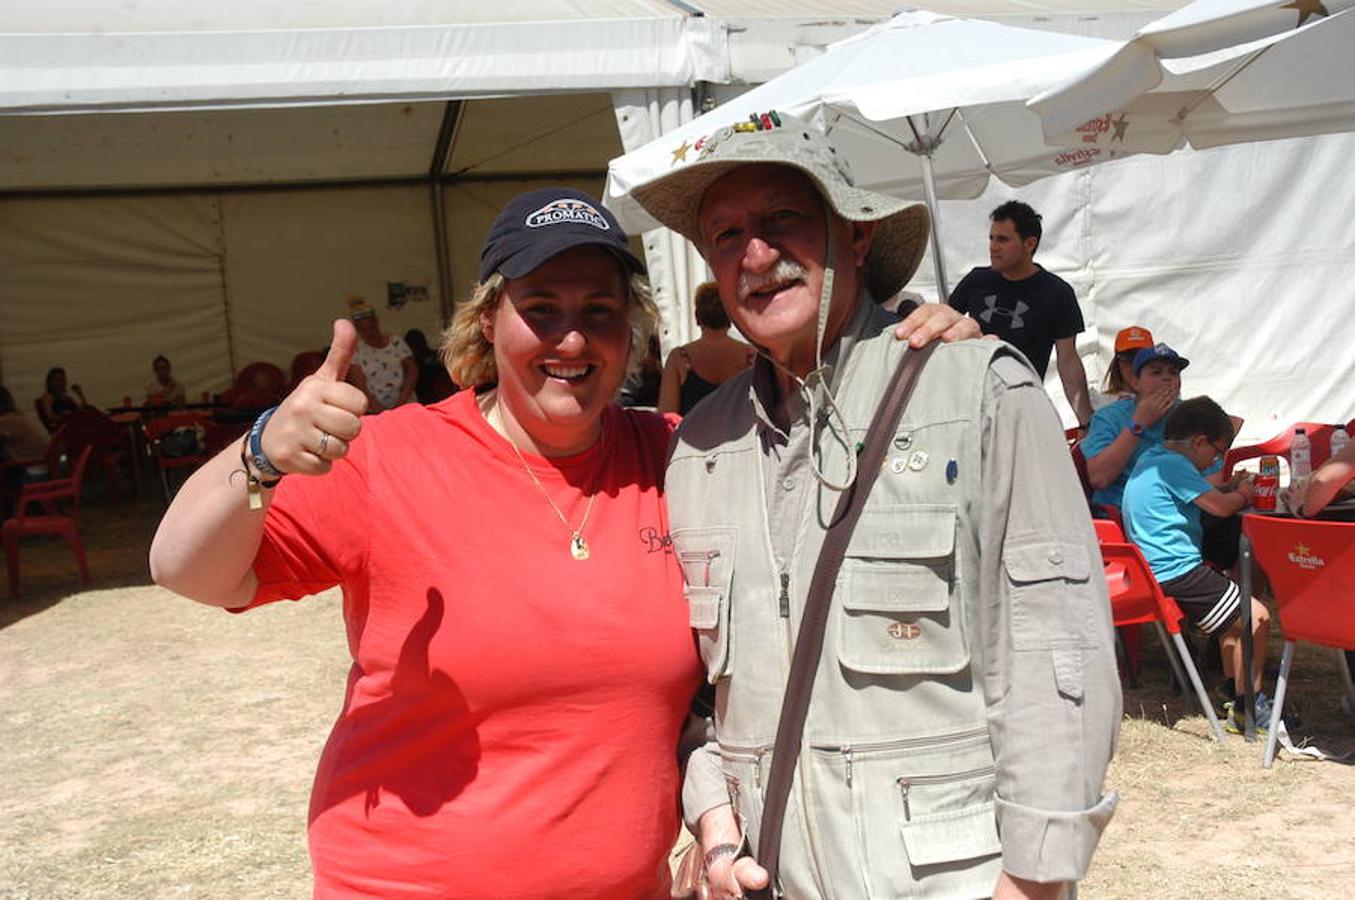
1017, 300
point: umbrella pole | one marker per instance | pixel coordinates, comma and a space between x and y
934, 207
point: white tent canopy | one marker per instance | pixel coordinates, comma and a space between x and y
236, 55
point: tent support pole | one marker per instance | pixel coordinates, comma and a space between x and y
442, 153
934, 207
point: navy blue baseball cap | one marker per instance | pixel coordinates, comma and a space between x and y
1155, 352
537, 225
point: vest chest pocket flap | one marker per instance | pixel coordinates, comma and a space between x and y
899, 592
706, 556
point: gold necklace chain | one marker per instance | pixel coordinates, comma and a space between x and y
578, 547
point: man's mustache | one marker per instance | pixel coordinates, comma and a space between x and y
785, 270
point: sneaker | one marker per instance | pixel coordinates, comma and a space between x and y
1236, 723
1222, 695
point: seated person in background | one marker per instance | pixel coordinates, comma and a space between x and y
20, 439
163, 390
1163, 499
389, 373
1119, 380
55, 404
20, 442
1121, 432
699, 367
434, 383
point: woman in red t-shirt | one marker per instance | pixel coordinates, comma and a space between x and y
522, 660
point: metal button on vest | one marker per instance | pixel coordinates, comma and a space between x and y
789, 484
903, 441
1056, 556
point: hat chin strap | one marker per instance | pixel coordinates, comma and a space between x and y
804, 386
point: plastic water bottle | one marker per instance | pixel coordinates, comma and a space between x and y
1300, 457
1339, 440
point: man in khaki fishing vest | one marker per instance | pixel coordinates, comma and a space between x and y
966, 700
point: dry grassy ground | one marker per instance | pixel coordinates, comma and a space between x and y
154, 748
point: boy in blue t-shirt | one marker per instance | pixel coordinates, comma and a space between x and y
1163, 499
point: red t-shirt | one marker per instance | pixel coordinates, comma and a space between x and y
511, 720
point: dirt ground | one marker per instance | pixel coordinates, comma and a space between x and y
155, 748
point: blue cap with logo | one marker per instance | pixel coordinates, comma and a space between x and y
1156, 352
539, 224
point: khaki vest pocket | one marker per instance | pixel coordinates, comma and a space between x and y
897, 593
706, 557
951, 837
1046, 611
909, 817
897, 620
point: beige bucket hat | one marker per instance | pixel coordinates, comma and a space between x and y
901, 235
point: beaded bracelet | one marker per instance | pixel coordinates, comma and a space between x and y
261, 461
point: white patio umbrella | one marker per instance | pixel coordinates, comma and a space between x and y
1214, 72
948, 91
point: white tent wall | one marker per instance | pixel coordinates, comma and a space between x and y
292, 256
102, 286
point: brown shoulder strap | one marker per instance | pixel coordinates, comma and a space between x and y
809, 640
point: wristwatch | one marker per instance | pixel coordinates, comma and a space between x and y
1135, 428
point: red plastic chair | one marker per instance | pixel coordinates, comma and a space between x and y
221, 435
307, 362
1080, 464
47, 494
1311, 567
257, 385
89, 427
158, 429
1137, 599
1319, 435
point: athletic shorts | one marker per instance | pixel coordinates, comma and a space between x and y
1210, 601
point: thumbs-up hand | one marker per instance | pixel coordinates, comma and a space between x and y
316, 423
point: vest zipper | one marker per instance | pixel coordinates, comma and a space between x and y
901, 743
906, 782
784, 599
757, 753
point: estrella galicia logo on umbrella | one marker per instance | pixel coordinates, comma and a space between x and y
567, 209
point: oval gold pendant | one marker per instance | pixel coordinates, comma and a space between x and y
578, 547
